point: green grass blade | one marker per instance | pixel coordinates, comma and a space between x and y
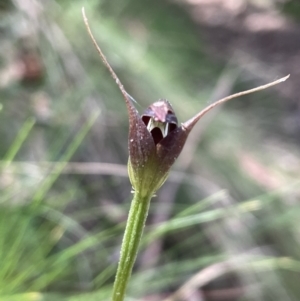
52, 177
21, 137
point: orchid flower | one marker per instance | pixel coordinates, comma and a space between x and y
155, 141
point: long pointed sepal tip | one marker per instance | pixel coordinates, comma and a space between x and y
284, 78
106, 63
188, 125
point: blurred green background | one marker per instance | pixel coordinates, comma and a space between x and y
225, 226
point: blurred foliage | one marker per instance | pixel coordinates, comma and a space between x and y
292, 8
232, 197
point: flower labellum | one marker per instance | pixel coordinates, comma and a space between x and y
155, 138
160, 119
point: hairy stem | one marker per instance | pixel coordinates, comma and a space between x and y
132, 236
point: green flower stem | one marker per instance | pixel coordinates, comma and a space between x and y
131, 240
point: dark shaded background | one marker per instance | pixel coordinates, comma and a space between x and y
225, 226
